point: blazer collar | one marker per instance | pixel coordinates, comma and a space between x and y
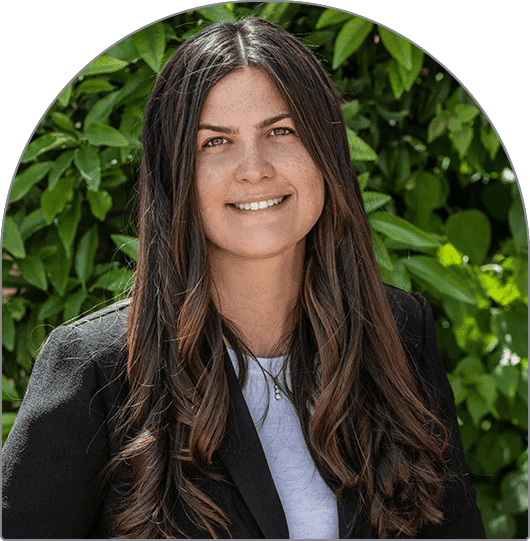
243, 457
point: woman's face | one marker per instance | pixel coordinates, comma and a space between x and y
259, 190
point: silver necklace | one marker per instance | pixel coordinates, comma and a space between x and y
277, 386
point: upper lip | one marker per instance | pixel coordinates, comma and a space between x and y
258, 198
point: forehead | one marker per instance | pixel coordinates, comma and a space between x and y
244, 94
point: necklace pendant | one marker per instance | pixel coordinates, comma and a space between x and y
277, 394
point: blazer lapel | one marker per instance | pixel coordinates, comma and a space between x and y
243, 457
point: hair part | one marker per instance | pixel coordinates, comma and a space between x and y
361, 413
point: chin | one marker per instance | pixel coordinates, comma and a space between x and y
259, 250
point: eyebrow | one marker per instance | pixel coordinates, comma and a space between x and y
260, 125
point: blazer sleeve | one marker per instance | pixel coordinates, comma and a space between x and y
462, 519
58, 446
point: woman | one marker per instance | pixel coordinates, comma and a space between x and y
262, 381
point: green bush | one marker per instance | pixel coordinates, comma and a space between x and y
444, 206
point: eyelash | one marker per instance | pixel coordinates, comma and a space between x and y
287, 130
209, 143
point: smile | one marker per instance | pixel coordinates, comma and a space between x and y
260, 205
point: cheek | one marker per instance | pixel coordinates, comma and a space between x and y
316, 192
207, 184
319, 201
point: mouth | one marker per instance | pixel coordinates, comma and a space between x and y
260, 204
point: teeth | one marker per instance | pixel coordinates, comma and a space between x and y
258, 205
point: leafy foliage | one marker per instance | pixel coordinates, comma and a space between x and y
444, 206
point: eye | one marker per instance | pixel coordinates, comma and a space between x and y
215, 142
281, 131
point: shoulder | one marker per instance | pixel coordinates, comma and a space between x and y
109, 323
411, 311
101, 331
415, 325
66, 428
93, 346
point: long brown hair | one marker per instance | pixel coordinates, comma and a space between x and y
363, 418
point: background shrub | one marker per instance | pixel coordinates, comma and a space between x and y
444, 206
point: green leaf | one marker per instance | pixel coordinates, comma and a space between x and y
424, 192
45, 143
103, 64
349, 39
63, 121
448, 255
9, 392
359, 150
151, 45
103, 108
350, 109
331, 16
477, 407
498, 449
459, 390
507, 379
26, 180
64, 97
128, 245
374, 200
396, 83
470, 232
32, 269
466, 113
318, 38
445, 280
100, 203
517, 327
54, 201
398, 47
8, 419
50, 307
102, 134
58, 267
487, 388
409, 76
12, 239
398, 277
94, 86
68, 221
489, 139
86, 251
32, 223
73, 304
116, 280
514, 489
217, 14
124, 50
402, 231
8, 329
272, 11
517, 224
401, 78
60, 165
87, 162
501, 292
462, 140
436, 127
470, 368
381, 253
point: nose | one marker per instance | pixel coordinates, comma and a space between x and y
253, 164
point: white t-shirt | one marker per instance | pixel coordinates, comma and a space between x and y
310, 506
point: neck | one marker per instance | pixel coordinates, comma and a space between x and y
258, 295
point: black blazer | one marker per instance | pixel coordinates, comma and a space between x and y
63, 438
